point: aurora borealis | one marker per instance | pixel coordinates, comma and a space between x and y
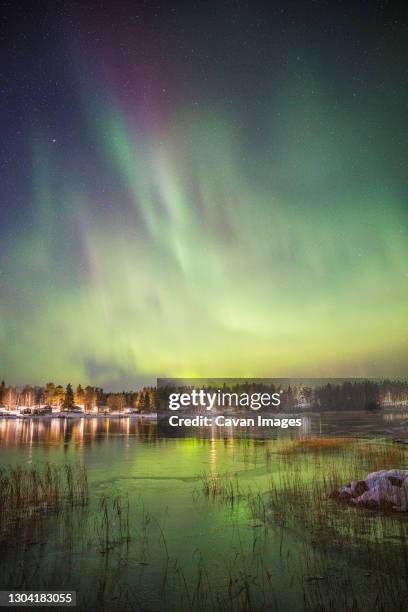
203, 192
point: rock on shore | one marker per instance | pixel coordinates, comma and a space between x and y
383, 490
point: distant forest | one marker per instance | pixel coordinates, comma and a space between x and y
344, 395
89, 398
357, 395
347, 395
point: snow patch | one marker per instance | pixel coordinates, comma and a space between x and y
382, 490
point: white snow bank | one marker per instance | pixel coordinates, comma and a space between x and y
382, 490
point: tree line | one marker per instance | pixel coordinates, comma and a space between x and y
345, 395
89, 398
359, 394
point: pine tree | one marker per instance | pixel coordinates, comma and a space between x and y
69, 397
79, 395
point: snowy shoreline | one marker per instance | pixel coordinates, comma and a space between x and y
77, 415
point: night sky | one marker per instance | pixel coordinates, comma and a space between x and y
215, 189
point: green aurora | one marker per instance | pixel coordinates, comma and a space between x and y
207, 247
